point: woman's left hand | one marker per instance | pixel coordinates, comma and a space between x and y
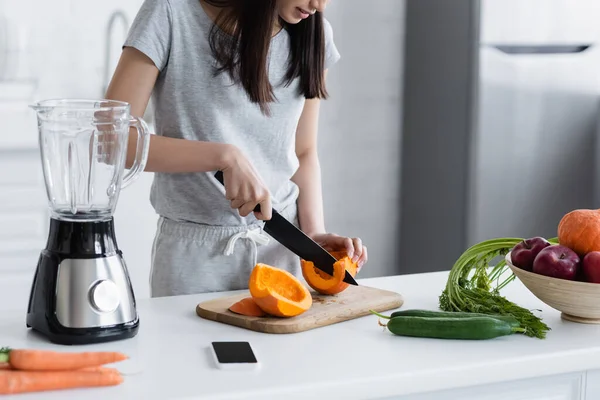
356, 250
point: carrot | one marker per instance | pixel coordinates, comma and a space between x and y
6, 366
45, 360
99, 369
247, 306
12, 382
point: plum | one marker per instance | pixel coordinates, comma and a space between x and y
557, 261
523, 254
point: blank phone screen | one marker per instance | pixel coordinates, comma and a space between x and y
234, 352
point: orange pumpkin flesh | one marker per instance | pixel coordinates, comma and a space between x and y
247, 306
324, 283
277, 292
579, 230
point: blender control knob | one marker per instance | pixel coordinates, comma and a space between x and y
104, 296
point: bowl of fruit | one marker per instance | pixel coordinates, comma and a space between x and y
564, 272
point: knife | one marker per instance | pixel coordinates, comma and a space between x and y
297, 242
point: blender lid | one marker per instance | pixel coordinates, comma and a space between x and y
76, 107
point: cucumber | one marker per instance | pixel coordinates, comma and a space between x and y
451, 314
474, 328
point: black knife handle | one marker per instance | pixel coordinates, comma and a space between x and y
219, 177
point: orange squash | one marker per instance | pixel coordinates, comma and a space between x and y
579, 230
248, 307
277, 292
324, 283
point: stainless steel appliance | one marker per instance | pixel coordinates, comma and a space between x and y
500, 116
81, 291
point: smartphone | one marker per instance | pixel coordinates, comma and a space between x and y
234, 355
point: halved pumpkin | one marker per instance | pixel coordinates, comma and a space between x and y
248, 307
324, 283
277, 292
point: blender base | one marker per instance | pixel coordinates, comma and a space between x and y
79, 296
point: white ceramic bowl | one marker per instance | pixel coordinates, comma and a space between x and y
577, 301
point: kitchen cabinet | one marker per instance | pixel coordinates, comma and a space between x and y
592, 387
23, 224
560, 387
575, 386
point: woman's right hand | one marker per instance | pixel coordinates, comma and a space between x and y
243, 186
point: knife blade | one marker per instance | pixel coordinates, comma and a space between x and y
297, 242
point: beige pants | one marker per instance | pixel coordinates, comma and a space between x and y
189, 258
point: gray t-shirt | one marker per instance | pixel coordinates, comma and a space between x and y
191, 103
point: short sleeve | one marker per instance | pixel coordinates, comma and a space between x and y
151, 30
332, 54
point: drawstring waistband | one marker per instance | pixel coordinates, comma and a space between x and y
254, 235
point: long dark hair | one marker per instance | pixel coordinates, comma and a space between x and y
240, 40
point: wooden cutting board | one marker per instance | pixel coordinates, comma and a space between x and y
354, 302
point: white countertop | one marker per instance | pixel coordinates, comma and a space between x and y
351, 360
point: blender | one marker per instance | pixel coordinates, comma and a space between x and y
81, 291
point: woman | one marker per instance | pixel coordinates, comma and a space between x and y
236, 87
